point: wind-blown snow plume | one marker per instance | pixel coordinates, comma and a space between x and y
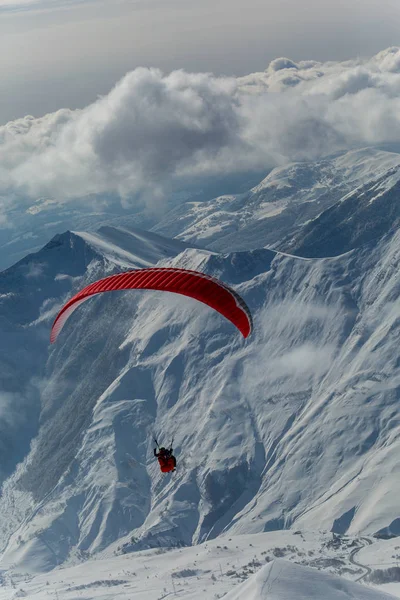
154, 132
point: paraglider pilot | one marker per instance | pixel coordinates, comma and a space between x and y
166, 459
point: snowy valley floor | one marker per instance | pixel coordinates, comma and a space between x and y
252, 567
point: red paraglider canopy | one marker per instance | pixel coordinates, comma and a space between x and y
196, 285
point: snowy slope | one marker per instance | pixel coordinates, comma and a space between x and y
131, 248
362, 216
31, 224
281, 580
244, 567
288, 429
275, 209
30, 295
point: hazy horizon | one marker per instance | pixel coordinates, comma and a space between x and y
64, 54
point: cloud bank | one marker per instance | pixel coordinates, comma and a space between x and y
154, 132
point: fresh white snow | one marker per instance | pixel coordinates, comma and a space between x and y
280, 438
269, 566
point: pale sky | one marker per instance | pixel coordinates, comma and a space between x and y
63, 54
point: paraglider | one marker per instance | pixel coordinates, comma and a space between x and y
166, 459
193, 284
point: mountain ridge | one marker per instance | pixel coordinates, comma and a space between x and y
290, 428
308, 319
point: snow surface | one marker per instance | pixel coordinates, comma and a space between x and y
294, 429
272, 212
30, 225
241, 567
261, 427
281, 580
120, 246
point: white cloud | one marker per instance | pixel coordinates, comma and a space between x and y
34, 270
304, 360
146, 131
152, 132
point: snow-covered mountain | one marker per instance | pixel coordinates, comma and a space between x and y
30, 295
30, 223
292, 427
250, 567
295, 427
280, 580
361, 216
273, 212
